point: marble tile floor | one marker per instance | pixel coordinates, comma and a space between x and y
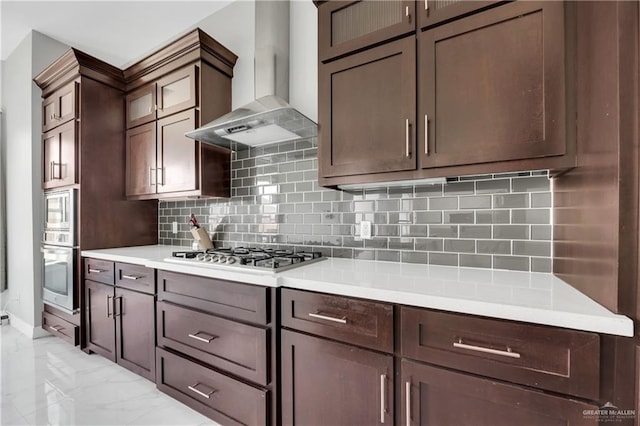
48, 382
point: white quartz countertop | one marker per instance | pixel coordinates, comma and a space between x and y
531, 297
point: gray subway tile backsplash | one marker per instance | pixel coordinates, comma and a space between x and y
500, 221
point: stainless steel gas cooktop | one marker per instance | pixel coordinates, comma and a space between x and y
246, 258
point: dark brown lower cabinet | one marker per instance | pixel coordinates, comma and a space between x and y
121, 326
436, 396
101, 329
329, 383
135, 332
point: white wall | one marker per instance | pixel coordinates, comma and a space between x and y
21, 100
233, 26
303, 58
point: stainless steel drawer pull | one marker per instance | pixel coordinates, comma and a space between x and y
130, 277
96, 271
56, 327
202, 339
383, 396
342, 320
408, 402
203, 394
508, 353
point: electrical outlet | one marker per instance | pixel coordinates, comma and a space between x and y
365, 229
174, 227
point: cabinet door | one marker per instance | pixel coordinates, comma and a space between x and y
99, 304
430, 12
434, 396
367, 111
178, 156
60, 106
177, 91
59, 156
141, 106
346, 26
135, 332
492, 86
327, 383
141, 169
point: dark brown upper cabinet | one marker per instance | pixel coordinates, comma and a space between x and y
347, 26
177, 91
368, 111
141, 166
141, 106
59, 156
173, 93
178, 157
493, 93
60, 106
170, 94
492, 87
431, 12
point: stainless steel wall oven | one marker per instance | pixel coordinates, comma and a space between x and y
59, 249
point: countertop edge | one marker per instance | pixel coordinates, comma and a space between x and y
613, 324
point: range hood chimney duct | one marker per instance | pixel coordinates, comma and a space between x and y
269, 119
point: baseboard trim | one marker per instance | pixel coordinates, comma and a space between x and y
27, 329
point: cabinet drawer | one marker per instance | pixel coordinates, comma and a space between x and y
215, 395
561, 360
136, 277
63, 329
226, 298
237, 348
99, 270
359, 322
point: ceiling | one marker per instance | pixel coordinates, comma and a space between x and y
118, 32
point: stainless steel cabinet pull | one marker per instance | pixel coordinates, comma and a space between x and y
407, 14
116, 314
151, 181
203, 394
202, 339
406, 135
408, 402
108, 304
318, 315
95, 271
426, 134
56, 327
51, 170
508, 353
426, 5
162, 176
130, 277
383, 396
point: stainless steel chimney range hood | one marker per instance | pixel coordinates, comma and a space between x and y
269, 119
264, 121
